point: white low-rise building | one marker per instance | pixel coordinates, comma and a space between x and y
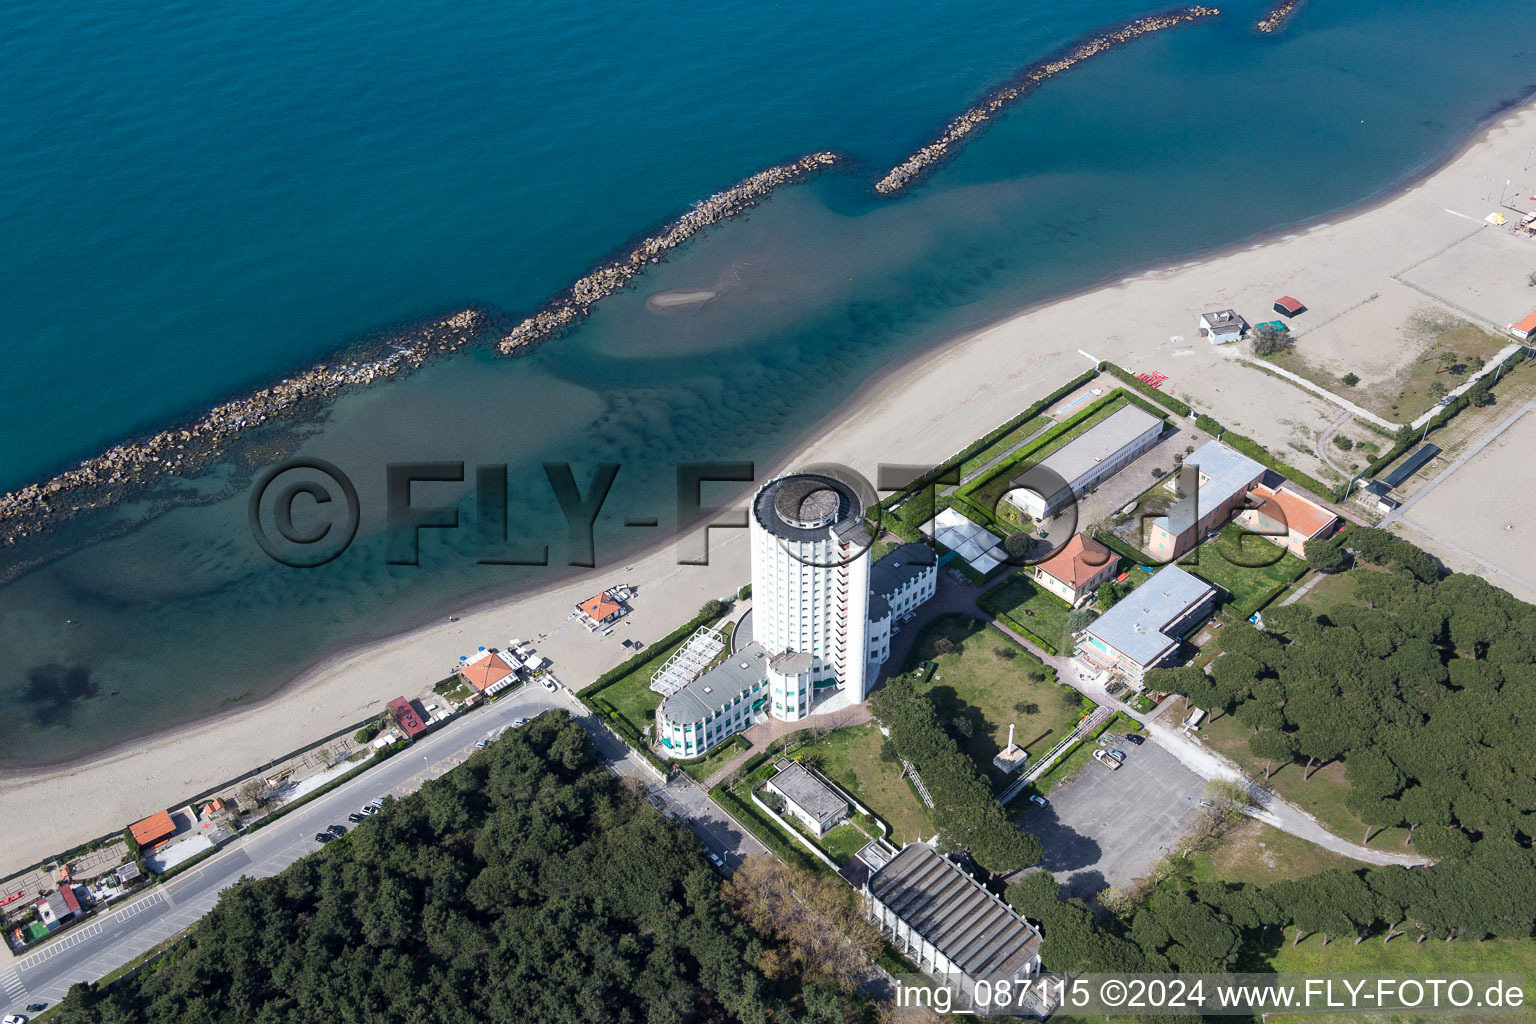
949, 924
809, 800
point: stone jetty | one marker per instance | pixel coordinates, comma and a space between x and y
119, 472
570, 306
910, 170
1281, 13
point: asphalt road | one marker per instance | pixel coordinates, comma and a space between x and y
1106, 827
130, 929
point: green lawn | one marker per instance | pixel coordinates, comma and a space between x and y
842, 842
1245, 567
1032, 609
1003, 443
982, 679
986, 491
631, 694
851, 757
701, 768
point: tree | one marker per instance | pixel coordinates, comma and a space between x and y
1342, 443
1274, 747
1269, 340
1446, 361
1437, 390
1326, 556
1351, 379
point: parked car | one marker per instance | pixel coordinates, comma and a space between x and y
519, 721
376, 802
549, 685
715, 860
13, 1018
1135, 737
370, 809
357, 816
1117, 754
337, 830
481, 744
36, 1007
323, 837
1103, 758
1037, 799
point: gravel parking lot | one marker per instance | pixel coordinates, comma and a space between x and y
1109, 827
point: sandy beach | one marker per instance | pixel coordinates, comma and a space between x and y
1357, 274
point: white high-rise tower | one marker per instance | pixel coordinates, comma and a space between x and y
810, 589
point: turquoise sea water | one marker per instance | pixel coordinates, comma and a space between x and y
199, 198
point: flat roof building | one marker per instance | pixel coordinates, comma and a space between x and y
1222, 326
1085, 462
1144, 628
1411, 465
948, 923
816, 804
1213, 484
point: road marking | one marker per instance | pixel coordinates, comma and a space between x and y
55, 948
158, 899
11, 982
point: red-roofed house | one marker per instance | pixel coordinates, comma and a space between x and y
1075, 572
490, 672
154, 829
58, 907
600, 609
406, 717
1286, 518
1285, 305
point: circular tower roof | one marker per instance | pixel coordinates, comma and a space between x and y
803, 506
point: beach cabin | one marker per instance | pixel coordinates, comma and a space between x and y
1524, 328
1222, 326
1287, 305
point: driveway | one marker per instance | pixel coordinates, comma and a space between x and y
1108, 827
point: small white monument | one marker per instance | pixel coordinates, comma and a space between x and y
1012, 759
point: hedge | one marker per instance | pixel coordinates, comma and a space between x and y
1041, 440
634, 661
1120, 547
348, 776
766, 831
1028, 633
1146, 389
990, 438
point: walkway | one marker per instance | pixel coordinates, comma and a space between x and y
1491, 366
1210, 765
1231, 352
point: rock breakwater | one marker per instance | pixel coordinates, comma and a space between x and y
910, 170
120, 471
570, 306
1275, 20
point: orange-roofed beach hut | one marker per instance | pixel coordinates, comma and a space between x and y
154, 829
